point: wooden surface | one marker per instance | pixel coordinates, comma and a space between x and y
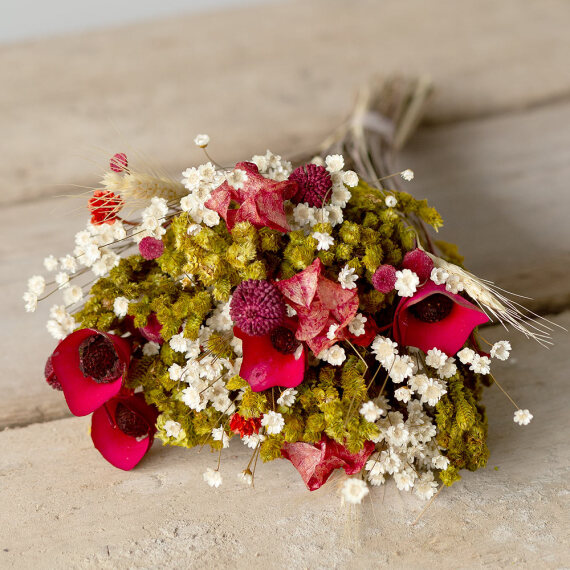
69, 508
280, 75
493, 157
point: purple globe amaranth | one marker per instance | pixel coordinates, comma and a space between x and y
257, 307
314, 183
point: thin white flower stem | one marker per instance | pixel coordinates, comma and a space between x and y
504, 391
428, 505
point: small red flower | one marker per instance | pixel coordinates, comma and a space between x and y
316, 462
123, 430
436, 318
242, 427
89, 365
104, 207
259, 202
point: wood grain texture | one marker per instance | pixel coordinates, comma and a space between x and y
69, 508
279, 76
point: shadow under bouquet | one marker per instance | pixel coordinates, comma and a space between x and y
304, 309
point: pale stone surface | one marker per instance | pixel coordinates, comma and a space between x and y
280, 75
69, 508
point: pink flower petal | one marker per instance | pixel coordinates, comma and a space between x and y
119, 449
449, 334
82, 394
316, 462
264, 367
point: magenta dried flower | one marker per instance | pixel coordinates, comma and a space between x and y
384, 278
314, 183
151, 248
257, 307
419, 262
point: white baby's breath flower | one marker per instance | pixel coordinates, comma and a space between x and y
68, 263
273, 422
466, 355
501, 350
202, 141
72, 295
212, 477
354, 490
357, 325
385, 350
237, 178
347, 278
403, 394
370, 411
178, 343
334, 162
193, 399
331, 333
432, 392
425, 487
36, 285
522, 417
404, 479
334, 355
401, 368
219, 434
448, 369
439, 275
350, 178
406, 282
407, 174
246, 477
175, 372
398, 434
435, 358
151, 348
56, 329
440, 462
454, 284
120, 307
391, 201
172, 428
324, 241
480, 364
51, 263
210, 218
418, 383
253, 440
31, 302
287, 397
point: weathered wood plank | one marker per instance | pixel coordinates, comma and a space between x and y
280, 75
85, 513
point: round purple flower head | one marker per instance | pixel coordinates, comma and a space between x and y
151, 248
314, 183
257, 307
384, 278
